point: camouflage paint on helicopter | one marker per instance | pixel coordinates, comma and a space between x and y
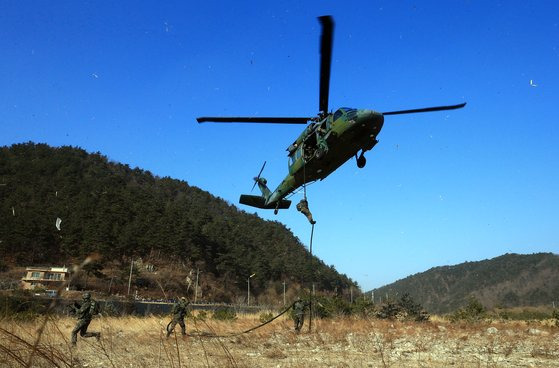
320, 149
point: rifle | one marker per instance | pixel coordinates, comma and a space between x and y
73, 308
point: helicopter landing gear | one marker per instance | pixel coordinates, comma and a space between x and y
361, 161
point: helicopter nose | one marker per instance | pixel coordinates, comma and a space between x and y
364, 116
371, 118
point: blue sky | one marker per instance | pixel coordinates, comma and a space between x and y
129, 79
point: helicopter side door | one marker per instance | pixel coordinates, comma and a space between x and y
295, 159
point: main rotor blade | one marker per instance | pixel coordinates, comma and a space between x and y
325, 60
425, 109
254, 119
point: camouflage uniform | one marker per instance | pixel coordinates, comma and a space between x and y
85, 313
299, 313
179, 312
303, 207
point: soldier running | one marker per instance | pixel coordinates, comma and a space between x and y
85, 313
179, 312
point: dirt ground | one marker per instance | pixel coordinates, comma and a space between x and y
141, 342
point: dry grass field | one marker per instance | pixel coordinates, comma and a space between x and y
140, 342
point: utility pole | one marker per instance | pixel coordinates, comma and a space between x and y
284, 294
248, 289
130, 277
196, 286
351, 294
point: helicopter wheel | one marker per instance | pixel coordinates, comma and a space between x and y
361, 161
276, 211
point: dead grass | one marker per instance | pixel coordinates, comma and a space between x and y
342, 342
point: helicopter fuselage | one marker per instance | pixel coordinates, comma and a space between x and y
327, 144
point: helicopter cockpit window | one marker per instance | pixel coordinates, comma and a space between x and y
294, 156
348, 111
351, 113
338, 114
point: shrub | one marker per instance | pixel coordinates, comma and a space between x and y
20, 307
474, 311
414, 310
265, 317
225, 314
327, 307
201, 315
363, 308
391, 310
555, 316
524, 314
404, 309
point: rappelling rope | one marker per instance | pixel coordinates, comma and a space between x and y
265, 323
312, 235
242, 332
304, 176
290, 306
310, 291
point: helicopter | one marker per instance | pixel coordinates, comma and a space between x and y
329, 140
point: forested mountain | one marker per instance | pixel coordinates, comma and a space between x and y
125, 213
509, 280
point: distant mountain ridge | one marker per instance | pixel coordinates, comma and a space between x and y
510, 280
124, 213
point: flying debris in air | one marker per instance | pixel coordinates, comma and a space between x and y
532, 83
58, 222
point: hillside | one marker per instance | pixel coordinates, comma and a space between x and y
510, 280
123, 213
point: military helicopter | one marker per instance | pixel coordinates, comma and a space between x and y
328, 141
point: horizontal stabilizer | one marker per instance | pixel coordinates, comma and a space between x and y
260, 202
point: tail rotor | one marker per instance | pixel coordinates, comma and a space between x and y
257, 178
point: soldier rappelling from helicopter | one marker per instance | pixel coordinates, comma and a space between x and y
303, 207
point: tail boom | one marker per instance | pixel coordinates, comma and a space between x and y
260, 202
